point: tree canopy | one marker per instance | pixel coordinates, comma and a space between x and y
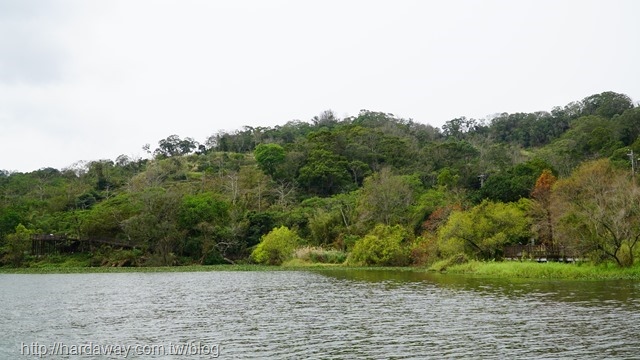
382, 186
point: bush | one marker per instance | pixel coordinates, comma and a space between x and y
424, 250
276, 247
457, 259
320, 255
385, 246
16, 247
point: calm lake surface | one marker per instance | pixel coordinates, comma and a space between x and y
337, 314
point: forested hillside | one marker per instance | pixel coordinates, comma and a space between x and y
370, 189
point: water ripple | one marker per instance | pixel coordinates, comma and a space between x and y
302, 315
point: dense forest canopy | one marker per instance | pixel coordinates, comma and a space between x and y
383, 189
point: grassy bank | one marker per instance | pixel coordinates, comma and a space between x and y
491, 269
291, 266
534, 270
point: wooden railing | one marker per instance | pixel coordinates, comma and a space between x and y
539, 252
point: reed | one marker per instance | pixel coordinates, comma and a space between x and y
550, 270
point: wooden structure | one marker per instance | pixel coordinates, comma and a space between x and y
45, 244
540, 253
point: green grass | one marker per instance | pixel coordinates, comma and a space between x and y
489, 269
534, 270
289, 266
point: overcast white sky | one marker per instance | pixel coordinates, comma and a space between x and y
88, 80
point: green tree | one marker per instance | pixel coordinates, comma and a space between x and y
628, 126
606, 104
515, 183
174, 146
485, 229
324, 173
384, 245
276, 247
269, 156
386, 198
205, 218
600, 206
155, 226
16, 246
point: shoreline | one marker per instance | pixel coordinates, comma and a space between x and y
478, 269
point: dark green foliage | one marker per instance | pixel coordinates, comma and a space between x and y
607, 104
269, 156
260, 223
515, 183
628, 126
324, 173
9, 219
174, 146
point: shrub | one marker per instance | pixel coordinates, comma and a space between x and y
385, 245
320, 255
457, 259
16, 247
276, 246
424, 250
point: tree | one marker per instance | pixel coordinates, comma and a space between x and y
269, 156
457, 128
384, 245
16, 246
628, 126
606, 104
206, 219
541, 211
386, 198
174, 146
276, 247
600, 206
515, 183
324, 173
155, 226
485, 229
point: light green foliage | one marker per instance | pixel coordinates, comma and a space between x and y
206, 207
385, 245
599, 206
485, 229
424, 249
325, 226
106, 218
330, 218
16, 246
276, 247
447, 178
205, 219
386, 198
310, 254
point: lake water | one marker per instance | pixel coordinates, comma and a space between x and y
337, 314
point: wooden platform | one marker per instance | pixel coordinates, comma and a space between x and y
540, 253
